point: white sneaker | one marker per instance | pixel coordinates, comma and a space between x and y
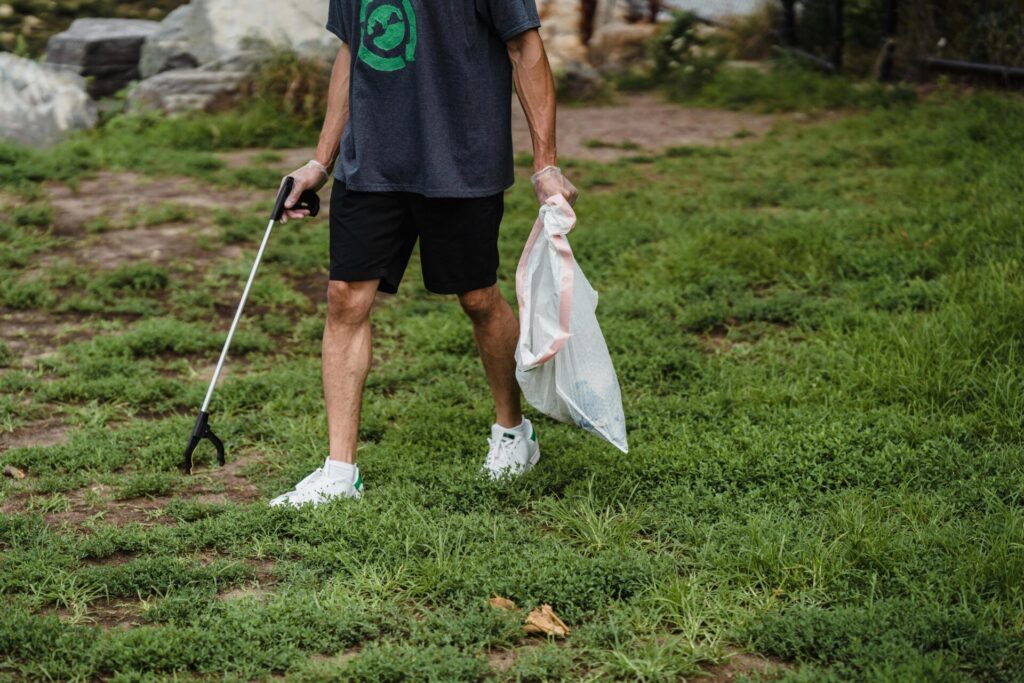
317, 488
512, 453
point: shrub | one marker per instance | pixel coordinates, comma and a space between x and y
684, 59
298, 85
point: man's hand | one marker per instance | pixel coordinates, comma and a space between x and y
549, 181
312, 176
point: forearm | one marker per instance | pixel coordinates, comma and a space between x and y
535, 87
337, 110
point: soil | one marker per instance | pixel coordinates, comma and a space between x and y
48, 433
743, 666
641, 124
217, 485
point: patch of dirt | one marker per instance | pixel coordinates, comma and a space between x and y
217, 485
118, 558
48, 433
716, 341
105, 614
116, 196
639, 125
289, 159
33, 336
741, 665
144, 511
501, 660
236, 487
244, 592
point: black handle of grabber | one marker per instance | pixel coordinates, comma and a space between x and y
199, 432
308, 200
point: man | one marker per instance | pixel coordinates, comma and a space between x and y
418, 128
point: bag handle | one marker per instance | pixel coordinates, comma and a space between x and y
555, 220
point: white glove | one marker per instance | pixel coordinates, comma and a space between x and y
549, 181
312, 176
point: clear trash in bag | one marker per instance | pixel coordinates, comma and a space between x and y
562, 361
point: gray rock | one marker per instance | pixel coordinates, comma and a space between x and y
183, 90
39, 104
169, 47
580, 82
216, 29
107, 50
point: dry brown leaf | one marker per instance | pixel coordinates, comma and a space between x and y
503, 603
13, 472
545, 621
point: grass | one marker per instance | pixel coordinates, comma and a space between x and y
818, 338
787, 85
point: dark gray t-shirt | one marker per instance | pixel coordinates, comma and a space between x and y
430, 99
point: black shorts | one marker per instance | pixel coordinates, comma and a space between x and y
373, 235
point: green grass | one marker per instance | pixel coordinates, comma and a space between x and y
787, 85
819, 340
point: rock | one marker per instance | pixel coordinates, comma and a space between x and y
212, 87
578, 82
560, 28
39, 103
108, 50
618, 45
216, 29
169, 46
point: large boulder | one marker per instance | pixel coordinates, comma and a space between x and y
170, 46
39, 103
107, 50
216, 29
578, 82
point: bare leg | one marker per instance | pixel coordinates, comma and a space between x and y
347, 355
497, 333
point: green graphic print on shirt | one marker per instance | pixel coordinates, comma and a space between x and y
388, 34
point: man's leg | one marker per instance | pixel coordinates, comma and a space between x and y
347, 355
496, 332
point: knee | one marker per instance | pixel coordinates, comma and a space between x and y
346, 304
480, 303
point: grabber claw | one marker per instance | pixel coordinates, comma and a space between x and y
199, 432
308, 201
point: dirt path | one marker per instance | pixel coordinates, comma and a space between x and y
641, 123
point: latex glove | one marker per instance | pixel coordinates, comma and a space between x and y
549, 181
312, 176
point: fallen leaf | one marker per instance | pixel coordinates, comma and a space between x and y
545, 621
13, 472
503, 603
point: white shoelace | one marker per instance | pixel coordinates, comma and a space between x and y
311, 479
503, 447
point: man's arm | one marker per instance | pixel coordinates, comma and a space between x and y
535, 87
314, 175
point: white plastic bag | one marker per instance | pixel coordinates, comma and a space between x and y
562, 362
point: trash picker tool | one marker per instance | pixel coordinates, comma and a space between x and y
201, 430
